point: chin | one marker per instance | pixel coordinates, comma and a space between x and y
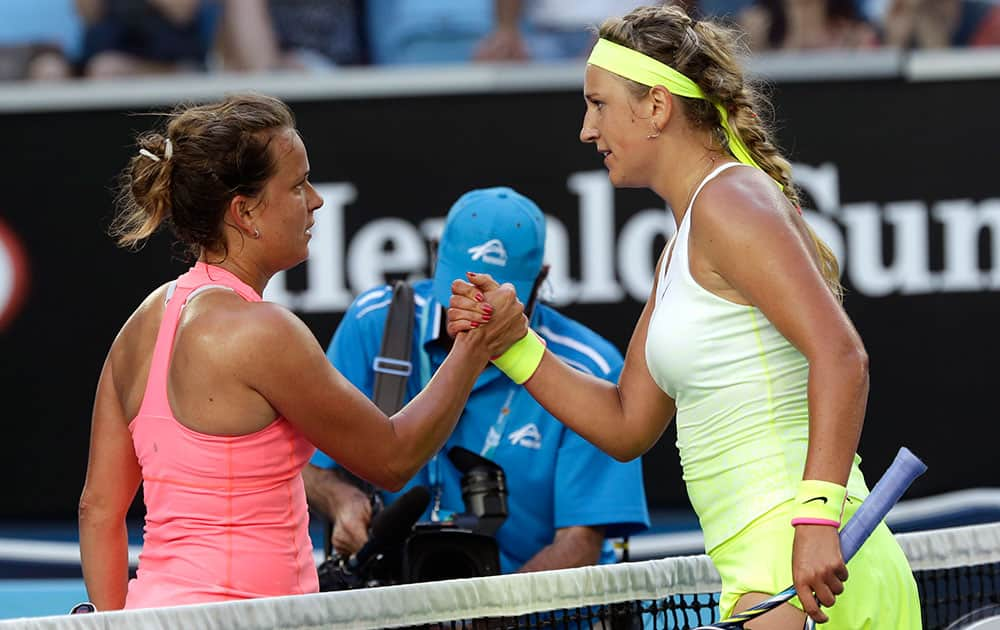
614, 179
297, 260
623, 181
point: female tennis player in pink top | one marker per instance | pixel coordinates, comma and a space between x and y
214, 399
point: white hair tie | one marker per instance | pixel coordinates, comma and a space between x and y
168, 152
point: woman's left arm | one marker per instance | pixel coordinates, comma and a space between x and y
749, 236
761, 249
113, 477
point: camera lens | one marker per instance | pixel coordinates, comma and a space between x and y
484, 491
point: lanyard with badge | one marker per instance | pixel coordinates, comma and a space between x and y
493, 436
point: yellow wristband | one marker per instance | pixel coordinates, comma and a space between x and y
819, 503
521, 360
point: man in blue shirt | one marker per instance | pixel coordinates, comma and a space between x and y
566, 498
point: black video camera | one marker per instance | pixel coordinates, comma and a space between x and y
465, 545
400, 550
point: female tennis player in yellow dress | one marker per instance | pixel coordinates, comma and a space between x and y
743, 337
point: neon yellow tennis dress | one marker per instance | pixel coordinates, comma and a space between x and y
742, 432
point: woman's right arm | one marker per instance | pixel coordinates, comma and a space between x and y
113, 477
289, 369
623, 420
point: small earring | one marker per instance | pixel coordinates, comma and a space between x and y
256, 233
653, 135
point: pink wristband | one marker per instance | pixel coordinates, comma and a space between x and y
814, 521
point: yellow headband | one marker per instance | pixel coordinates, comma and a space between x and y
643, 69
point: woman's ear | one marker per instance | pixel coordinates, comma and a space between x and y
240, 215
662, 106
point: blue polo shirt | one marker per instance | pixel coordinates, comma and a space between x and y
555, 478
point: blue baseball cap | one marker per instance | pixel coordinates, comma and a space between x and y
491, 230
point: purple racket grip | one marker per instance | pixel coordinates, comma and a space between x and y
904, 469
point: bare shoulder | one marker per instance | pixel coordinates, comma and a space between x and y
742, 221
224, 319
272, 323
741, 203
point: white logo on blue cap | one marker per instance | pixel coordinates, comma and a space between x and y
492, 252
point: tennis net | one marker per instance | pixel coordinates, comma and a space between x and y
957, 571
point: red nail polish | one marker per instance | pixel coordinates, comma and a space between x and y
487, 308
475, 324
470, 274
480, 297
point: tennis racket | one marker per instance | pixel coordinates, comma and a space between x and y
981, 619
904, 469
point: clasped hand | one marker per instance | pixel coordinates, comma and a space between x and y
483, 307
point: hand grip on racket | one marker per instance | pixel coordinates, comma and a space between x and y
904, 469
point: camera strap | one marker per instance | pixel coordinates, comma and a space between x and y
392, 368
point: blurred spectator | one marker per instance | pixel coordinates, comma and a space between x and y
547, 30
427, 31
263, 35
134, 37
922, 23
39, 39
807, 25
941, 23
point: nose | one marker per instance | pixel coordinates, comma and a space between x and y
317, 199
588, 133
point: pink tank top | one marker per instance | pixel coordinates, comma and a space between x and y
225, 515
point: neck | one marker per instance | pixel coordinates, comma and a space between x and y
676, 181
243, 269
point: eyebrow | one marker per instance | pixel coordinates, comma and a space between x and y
303, 178
590, 96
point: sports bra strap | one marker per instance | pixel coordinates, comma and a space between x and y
154, 399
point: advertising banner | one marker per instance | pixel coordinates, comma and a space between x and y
899, 179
